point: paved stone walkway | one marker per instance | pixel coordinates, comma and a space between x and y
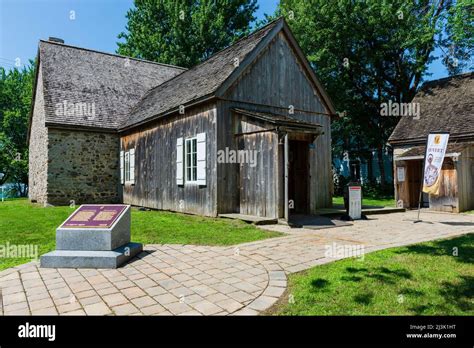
203, 280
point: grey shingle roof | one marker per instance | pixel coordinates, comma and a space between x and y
112, 83
445, 105
197, 82
420, 149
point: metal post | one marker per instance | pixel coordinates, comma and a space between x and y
2, 194
421, 190
286, 150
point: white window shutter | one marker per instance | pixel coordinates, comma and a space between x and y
201, 158
132, 166
121, 167
179, 161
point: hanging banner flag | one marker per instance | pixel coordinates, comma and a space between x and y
434, 157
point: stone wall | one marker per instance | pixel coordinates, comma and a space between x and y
83, 167
38, 149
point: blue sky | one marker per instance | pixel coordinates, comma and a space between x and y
96, 26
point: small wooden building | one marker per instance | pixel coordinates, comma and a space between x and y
446, 105
247, 131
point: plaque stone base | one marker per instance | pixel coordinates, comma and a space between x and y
86, 241
91, 258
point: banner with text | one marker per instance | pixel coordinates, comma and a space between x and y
434, 157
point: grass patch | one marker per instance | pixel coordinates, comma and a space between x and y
24, 223
421, 279
378, 202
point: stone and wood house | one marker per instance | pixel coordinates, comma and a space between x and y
106, 128
446, 105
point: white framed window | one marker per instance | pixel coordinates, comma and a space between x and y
122, 169
127, 166
190, 160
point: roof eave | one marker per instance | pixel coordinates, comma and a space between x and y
33, 99
169, 112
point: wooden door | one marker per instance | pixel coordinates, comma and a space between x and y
414, 182
298, 176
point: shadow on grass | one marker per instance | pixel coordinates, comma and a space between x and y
458, 294
319, 283
364, 299
464, 248
383, 274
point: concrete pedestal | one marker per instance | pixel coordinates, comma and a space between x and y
91, 247
91, 258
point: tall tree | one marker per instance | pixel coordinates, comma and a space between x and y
184, 32
369, 52
16, 87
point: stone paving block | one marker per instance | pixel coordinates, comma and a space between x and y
40, 304
262, 303
169, 284
84, 294
134, 292
165, 299
241, 296
90, 300
191, 313
17, 297
124, 284
246, 311
144, 301
156, 290
107, 291
229, 305
145, 283
99, 308
76, 312
45, 311
125, 309
69, 307
155, 309
181, 291
206, 307
115, 299
216, 297
177, 307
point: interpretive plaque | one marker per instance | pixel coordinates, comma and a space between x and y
355, 202
94, 216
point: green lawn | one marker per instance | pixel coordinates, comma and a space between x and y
422, 279
24, 223
388, 202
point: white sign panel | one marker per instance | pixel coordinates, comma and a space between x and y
400, 174
355, 202
434, 157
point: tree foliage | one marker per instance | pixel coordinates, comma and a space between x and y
184, 32
370, 52
16, 87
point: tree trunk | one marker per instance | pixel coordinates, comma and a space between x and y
383, 179
370, 167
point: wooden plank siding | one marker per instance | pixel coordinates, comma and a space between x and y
447, 200
155, 167
465, 171
273, 82
258, 184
